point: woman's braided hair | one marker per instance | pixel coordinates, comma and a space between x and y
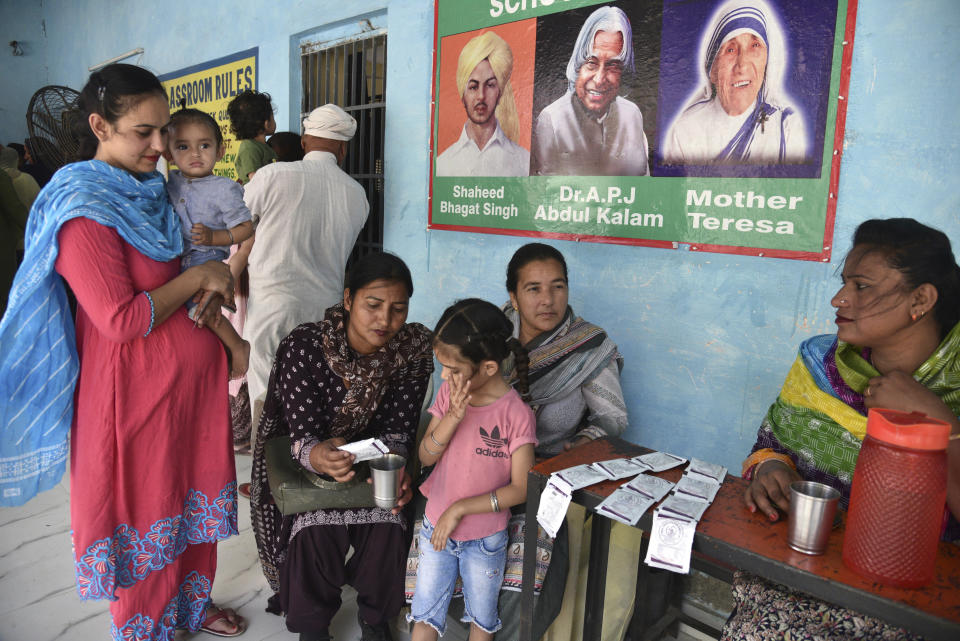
482, 332
521, 362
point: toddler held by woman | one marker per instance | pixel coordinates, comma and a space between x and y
211, 209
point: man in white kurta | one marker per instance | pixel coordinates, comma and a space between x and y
486, 145
590, 130
308, 215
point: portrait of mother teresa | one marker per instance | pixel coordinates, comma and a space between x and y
740, 113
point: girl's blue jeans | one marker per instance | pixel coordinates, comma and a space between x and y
479, 562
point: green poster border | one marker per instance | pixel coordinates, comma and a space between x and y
468, 17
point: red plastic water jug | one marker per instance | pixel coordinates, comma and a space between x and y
897, 499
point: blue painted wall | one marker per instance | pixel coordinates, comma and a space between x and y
707, 338
20, 76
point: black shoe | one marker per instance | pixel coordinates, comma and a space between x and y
316, 636
378, 632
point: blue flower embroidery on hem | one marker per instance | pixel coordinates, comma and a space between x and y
127, 557
184, 611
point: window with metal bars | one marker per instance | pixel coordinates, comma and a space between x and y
352, 74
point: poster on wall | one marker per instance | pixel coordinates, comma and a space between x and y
709, 125
210, 86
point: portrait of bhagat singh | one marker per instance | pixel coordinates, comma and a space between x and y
487, 144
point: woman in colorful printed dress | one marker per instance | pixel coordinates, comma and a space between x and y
897, 346
142, 390
361, 372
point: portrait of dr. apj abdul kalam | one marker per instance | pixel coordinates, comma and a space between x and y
740, 114
591, 130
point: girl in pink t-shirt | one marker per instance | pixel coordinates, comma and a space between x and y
481, 438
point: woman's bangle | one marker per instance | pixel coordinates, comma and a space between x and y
436, 442
494, 501
153, 314
429, 451
756, 468
749, 467
230, 234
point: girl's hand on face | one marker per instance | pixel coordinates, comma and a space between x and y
459, 397
770, 489
200, 234
333, 462
445, 526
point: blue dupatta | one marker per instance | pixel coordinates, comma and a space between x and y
38, 354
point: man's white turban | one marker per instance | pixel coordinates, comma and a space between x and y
330, 121
495, 50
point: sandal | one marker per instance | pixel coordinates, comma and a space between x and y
244, 490
243, 449
223, 615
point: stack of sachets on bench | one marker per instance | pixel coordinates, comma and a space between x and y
675, 521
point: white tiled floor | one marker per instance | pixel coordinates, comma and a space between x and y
38, 600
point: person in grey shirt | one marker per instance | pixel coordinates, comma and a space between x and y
590, 130
212, 213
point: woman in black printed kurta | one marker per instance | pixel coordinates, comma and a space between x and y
361, 372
